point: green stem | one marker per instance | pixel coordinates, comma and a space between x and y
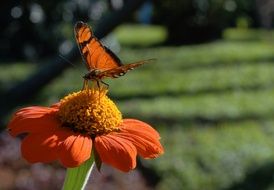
76, 178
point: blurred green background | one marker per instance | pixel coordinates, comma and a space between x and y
210, 93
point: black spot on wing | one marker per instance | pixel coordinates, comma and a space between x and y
79, 24
84, 43
77, 27
115, 57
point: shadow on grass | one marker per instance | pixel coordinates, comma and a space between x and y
257, 179
203, 121
151, 176
269, 60
217, 91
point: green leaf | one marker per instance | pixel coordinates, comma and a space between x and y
97, 160
76, 178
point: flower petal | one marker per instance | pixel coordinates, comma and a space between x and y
32, 120
56, 105
143, 136
75, 149
138, 125
117, 152
40, 147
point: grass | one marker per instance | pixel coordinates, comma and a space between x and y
140, 35
213, 103
227, 106
213, 158
13, 73
244, 34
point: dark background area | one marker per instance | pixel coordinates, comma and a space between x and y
40, 27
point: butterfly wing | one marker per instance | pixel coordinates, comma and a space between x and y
122, 70
95, 55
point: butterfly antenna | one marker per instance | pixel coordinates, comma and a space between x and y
68, 61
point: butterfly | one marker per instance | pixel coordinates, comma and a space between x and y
100, 61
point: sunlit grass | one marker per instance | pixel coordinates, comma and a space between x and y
140, 35
248, 34
11, 73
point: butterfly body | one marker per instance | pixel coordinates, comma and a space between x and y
100, 61
93, 74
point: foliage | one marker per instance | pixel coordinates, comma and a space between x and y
40, 26
34, 25
201, 20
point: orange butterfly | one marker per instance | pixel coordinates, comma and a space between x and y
100, 61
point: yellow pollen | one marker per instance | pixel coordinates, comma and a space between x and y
90, 112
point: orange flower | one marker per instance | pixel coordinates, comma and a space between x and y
81, 122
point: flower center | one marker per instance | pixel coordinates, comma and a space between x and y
90, 112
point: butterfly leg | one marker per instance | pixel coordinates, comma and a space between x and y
99, 88
98, 82
107, 85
